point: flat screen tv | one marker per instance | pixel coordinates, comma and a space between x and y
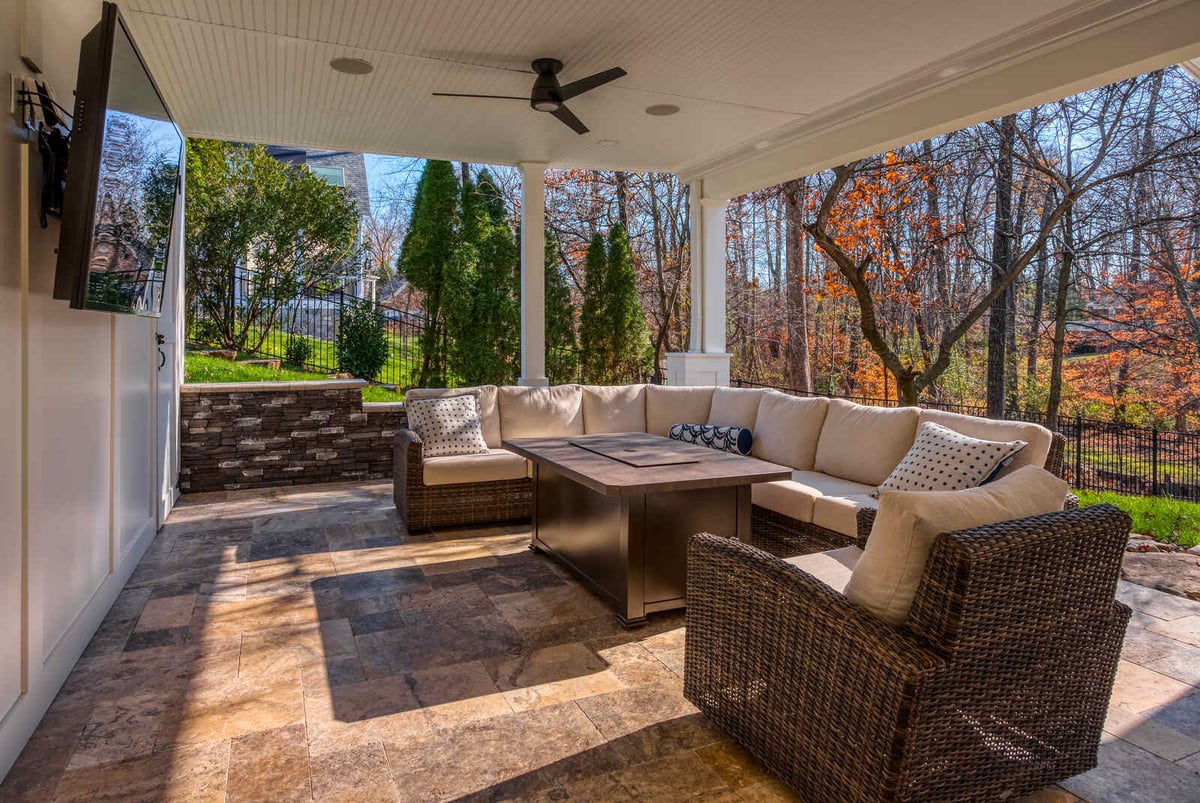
122, 176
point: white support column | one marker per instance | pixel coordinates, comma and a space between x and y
533, 274
696, 238
713, 274
707, 362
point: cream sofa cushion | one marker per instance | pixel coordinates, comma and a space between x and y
795, 498
676, 405
490, 467
733, 407
529, 412
1037, 438
614, 408
833, 568
489, 414
840, 513
786, 429
886, 578
863, 443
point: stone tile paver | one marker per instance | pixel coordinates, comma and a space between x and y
298, 644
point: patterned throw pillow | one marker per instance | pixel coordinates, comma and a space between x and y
941, 459
447, 425
726, 439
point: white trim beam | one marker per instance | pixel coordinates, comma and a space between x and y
1134, 40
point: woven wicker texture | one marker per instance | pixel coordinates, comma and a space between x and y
422, 506
996, 687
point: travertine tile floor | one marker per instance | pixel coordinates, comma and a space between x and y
298, 645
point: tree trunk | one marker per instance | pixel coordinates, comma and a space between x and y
1039, 301
940, 315
1002, 234
464, 173
798, 366
623, 198
1060, 317
1141, 192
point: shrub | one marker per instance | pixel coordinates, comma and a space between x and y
362, 344
298, 351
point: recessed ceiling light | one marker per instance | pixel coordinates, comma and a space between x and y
606, 142
762, 145
352, 66
662, 110
951, 71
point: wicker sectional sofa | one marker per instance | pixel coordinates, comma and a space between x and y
839, 451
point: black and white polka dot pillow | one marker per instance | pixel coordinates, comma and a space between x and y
447, 425
941, 459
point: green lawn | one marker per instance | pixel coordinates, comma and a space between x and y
202, 368
1166, 519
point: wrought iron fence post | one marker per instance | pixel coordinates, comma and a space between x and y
1154, 460
1079, 450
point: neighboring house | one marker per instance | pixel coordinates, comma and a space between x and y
341, 169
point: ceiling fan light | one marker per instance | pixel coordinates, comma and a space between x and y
546, 105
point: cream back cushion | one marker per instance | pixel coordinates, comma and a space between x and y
527, 412
614, 408
489, 413
676, 405
863, 443
734, 407
786, 429
1037, 438
886, 577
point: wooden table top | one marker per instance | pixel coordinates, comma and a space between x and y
707, 468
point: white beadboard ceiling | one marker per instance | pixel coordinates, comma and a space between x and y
258, 70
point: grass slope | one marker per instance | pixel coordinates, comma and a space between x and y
1171, 520
202, 368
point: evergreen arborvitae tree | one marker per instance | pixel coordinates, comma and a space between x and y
594, 363
427, 259
628, 340
483, 315
562, 354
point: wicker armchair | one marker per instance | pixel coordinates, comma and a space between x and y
997, 685
422, 506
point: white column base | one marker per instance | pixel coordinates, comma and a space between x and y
533, 381
697, 368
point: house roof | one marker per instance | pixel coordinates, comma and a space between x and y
767, 89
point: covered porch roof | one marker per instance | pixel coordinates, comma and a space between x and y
767, 89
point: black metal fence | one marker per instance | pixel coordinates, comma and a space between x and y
1100, 455
313, 316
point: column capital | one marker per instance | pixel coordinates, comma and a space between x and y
712, 203
530, 166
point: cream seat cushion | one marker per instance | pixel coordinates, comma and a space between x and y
732, 407
833, 568
532, 412
676, 405
1037, 438
795, 498
886, 578
614, 408
489, 415
863, 443
840, 513
499, 464
786, 429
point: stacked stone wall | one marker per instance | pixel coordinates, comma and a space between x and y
260, 435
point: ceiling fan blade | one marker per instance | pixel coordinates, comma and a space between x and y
567, 116
568, 91
461, 95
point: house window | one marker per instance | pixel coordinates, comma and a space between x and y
333, 175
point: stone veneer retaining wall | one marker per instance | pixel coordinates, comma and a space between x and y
264, 434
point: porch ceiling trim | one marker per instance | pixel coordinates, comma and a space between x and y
1108, 41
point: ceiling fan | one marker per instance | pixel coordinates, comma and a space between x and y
548, 95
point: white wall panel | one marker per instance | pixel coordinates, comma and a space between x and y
133, 436
11, 392
69, 477
78, 494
